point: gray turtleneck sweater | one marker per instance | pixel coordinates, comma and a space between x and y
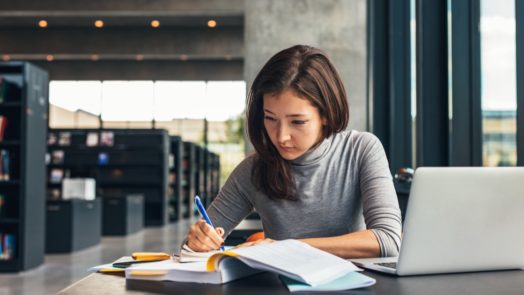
343, 185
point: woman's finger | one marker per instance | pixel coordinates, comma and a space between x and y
211, 234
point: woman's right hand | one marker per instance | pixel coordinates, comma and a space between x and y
202, 237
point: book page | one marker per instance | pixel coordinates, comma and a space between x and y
297, 260
188, 255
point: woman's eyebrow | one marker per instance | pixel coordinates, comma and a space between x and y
290, 115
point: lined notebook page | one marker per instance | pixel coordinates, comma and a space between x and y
291, 257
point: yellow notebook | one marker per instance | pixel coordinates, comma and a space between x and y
291, 258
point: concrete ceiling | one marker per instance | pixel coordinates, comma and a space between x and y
71, 41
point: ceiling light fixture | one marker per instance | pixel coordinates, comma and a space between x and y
42, 23
139, 57
6, 57
212, 23
49, 57
155, 23
94, 57
184, 57
99, 23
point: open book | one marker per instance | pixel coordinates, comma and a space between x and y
188, 255
290, 258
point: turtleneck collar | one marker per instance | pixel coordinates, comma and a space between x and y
314, 155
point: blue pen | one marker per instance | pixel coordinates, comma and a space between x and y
203, 212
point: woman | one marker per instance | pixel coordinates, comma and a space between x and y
309, 179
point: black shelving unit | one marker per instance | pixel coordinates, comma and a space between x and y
72, 225
24, 105
188, 180
175, 178
214, 175
123, 162
200, 174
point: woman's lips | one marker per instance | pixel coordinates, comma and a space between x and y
286, 148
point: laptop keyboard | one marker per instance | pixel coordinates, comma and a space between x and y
388, 264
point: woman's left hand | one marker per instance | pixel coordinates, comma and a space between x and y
257, 242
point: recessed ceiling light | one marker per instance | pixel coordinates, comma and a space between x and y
139, 57
184, 57
94, 57
6, 57
99, 23
42, 23
212, 23
49, 57
155, 23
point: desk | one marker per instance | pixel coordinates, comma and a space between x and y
499, 282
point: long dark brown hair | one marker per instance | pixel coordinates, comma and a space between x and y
312, 76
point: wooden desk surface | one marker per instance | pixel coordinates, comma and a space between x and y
497, 282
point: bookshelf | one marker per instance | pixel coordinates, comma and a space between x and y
188, 180
124, 162
23, 127
175, 178
200, 175
214, 175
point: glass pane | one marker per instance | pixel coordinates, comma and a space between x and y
225, 100
76, 95
498, 78
413, 84
179, 100
127, 101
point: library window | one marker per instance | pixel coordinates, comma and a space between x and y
498, 80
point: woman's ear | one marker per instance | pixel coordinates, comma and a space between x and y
324, 121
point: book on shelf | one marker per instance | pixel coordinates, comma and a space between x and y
57, 157
54, 193
52, 139
107, 138
64, 138
92, 139
56, 175
171, 161
2, 205
172, 177
103, 158
5, 163
7, 246
290, 258
3, 126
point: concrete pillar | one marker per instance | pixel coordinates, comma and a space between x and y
336, 26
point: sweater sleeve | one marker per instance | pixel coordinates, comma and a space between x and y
380, 204
232, 203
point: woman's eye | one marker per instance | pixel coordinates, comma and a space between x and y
269, 118
298, 122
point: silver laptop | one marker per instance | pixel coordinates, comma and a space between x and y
460, 219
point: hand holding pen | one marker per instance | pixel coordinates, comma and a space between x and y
203, 236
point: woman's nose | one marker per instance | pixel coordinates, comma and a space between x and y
283, 133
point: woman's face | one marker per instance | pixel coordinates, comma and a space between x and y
294, 125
